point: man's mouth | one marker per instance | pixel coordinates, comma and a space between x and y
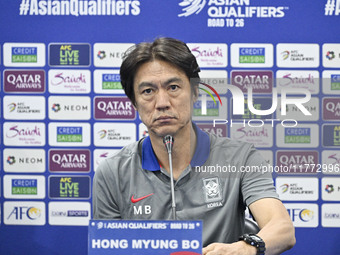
164, 118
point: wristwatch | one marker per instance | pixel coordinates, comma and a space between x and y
254, 240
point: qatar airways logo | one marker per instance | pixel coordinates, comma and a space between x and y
69, 160
114, 108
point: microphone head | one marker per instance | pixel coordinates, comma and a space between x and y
168, 141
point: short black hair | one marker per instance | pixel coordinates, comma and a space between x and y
166, 49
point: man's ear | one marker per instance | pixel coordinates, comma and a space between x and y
195, 93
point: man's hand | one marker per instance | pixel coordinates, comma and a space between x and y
237, 248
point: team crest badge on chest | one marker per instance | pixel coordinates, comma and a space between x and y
212, 190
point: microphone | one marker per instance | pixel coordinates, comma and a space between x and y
168, 141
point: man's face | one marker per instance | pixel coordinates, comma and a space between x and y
164, 98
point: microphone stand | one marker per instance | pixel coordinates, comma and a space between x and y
168, 142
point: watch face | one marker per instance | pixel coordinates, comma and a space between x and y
255, 238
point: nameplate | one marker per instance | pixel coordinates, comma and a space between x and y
128, 237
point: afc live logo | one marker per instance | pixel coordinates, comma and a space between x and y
66, 187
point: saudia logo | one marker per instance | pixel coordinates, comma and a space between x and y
15, 131
62, 78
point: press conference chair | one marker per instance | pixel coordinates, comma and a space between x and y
251, 227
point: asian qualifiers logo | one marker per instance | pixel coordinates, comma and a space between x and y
204, 98
191, 7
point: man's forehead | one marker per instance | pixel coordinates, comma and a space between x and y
159, 69
164, 82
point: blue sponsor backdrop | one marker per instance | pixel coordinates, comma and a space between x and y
81, 24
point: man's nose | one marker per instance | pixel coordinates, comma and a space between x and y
162, 100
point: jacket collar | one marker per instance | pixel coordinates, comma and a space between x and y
202, 150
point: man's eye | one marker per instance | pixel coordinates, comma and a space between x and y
173, 87
147, 91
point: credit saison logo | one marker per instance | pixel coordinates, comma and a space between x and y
335, 82
24, 54
69, 187
24, 187
297, 135
69, 54
252, 55
111, 81
69, 134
